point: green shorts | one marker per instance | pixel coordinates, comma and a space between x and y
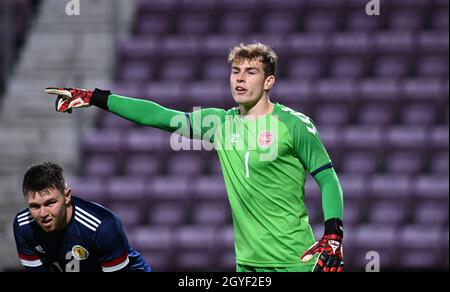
299, 268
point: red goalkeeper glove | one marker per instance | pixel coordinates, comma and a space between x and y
329, 248
70, 98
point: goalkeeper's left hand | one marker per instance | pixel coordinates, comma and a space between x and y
329, 248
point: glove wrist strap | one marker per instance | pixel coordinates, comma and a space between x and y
334, 226
100, 98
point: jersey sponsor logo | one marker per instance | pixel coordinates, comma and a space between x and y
265, 138
79, 252
39, 249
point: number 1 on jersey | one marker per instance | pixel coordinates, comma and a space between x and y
247, 156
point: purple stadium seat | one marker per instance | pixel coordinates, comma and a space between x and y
434, 42
165, 214
280, 6
236, 23
335, 90
312, 190
224, 238
154, 6
292, 91
153, 25
432, 66
391, 187
164, 188
330, 114
89, 188
166, 92
407, 20
218, 46
193, 261
215, 168
378, 90
321, 22
330, 137
439, 138
178, 70
102, 141
424, 237
132, 89
209, 93
129, 214
141, 164
354, 186
307, 44
198, 5
393, 42
358, 21
352, 212
385, 237
378, 114
156, 238
279, 23
431, 213
347, 67
403, 162
363, 137
110, 120
140, 49
431, 187
440, 162
216, 70
390, 213
180, 46
209, 188
238, 5
211, 213
100, 165
126, 188
419, 114
354, 43
140, 141
194, 237
135, 72
187, 164
391, 67
191, 24
304, 68
440, 20
406, 137
418, 258
360, 162
422, 90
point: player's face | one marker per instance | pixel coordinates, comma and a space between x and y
49, 208
247, 81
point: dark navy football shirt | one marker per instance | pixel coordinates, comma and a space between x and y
94, 240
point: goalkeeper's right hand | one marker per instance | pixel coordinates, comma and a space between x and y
69, 98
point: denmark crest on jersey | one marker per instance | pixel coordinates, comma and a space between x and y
265, 138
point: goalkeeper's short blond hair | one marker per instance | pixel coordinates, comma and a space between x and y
255, 51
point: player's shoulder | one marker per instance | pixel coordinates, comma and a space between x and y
23, 220
290, 116
90, 214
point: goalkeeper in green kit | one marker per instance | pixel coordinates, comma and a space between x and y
265, 150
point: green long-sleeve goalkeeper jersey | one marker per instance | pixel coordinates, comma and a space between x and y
264, 163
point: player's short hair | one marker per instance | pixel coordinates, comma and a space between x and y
39, 177
255, 51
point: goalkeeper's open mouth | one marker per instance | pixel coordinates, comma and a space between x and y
240, 90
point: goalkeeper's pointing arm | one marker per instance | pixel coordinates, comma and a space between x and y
140, 111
